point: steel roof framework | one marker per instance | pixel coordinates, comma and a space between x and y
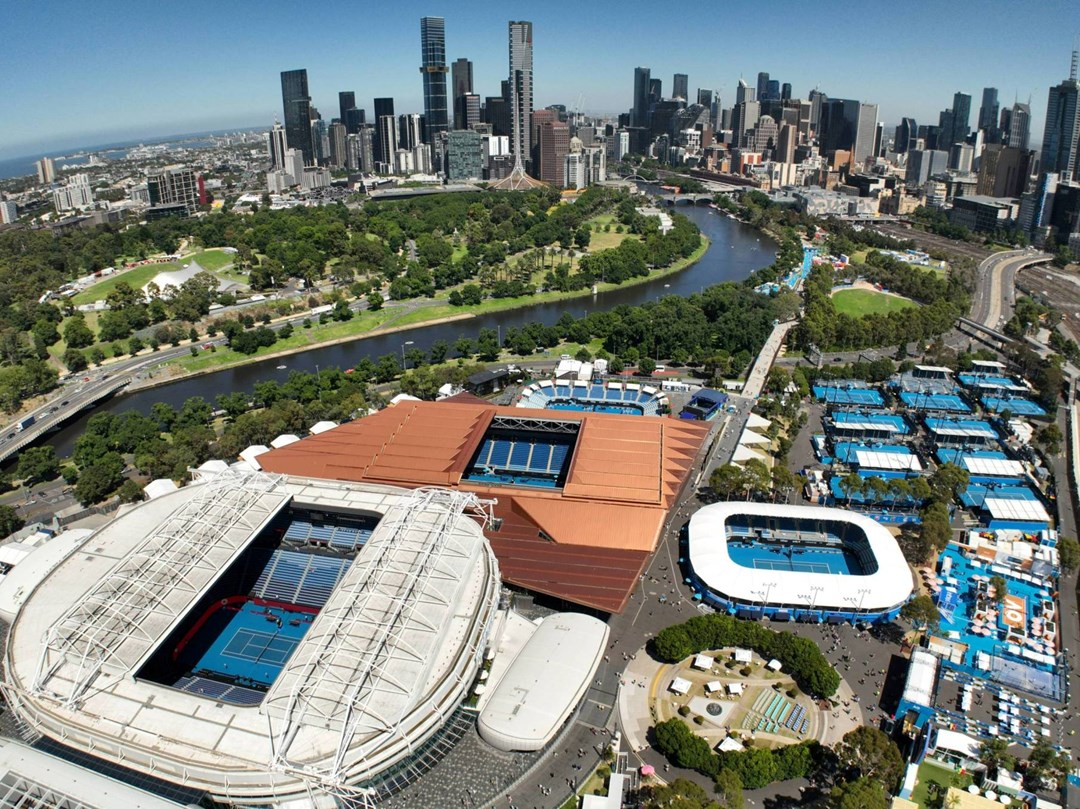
349, 655
155, 584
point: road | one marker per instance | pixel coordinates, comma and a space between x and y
995, 290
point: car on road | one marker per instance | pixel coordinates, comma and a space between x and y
64, 402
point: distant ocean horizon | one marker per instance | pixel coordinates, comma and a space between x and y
23, 166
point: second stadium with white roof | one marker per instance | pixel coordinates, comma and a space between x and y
802, 563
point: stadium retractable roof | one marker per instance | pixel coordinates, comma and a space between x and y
146, 593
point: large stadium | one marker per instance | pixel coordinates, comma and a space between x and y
262, 638
802, 563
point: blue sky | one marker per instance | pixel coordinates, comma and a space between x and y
79, 73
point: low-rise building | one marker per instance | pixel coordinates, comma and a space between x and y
982, 213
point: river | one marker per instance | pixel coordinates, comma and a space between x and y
736, 250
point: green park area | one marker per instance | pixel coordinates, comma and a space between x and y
605, 233
859, 302
933, 781
214, 260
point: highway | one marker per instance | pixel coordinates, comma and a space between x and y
995, 289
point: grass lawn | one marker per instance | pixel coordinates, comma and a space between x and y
210, 259
601, 240
859, 302
930, 772
136, 277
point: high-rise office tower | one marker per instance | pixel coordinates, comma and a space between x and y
680, 86
461, 80
656, 91
470, 104
772, 90
296, 102
554, 143
383, 108
744, 92
785, 91
354, 119
961, 108
346, 101
639, 114
434, 70
410, 131
173, 185
521, 90
988, 110
278, 145
46, 170
388, 145
1062, 132
907, 135
704, 97
848, 125
762, 86
336, 135
1019, 131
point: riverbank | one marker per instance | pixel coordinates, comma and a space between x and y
428, 314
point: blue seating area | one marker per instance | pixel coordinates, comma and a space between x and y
341, 537
299, 578
614, 397
517, 455
233, 694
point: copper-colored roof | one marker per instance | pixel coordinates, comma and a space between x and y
598, 530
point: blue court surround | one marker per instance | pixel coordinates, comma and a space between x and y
255, 645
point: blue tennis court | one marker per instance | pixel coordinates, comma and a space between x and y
864, 397
255, 644
1019, 407
934, 401
838, 561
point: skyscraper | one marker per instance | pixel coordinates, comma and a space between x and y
337, 135
785, 91
1019, 131
656, 91
410, 131
462, 82
46, 170
679, 86
278, 145
346, 101
434, 70
640, 113
961, 107
296, 102
521, 90
1060, 137
387, 131
848, 125
704, 97
762, 87
744, 92
907, 133
384, 108
988, 110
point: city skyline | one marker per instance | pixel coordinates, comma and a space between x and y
236, 85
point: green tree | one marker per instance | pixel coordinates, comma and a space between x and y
994, 753
37, 465
96, 356
75, 360
726, 480
1000, 588
862, 793
646, 366
851, 484
10, 521
1045, 766
100, 479
729, 790
679, 794
922, 612
673, 643
947, 481
935, 528
76, 333
1050, 438
374, 301
130, 492
871, 754
1068, 553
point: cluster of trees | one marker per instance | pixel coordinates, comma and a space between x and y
823, 326
800, 657
861, 770
754, 481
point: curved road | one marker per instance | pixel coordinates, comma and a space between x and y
995, 289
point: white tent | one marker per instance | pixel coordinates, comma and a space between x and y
680, 686
703, 662
743, 655
756, 422
322, 426
743, 454
735, 689
250, 455
773, 665
159, 487
284, 440
750, 437
713, 686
